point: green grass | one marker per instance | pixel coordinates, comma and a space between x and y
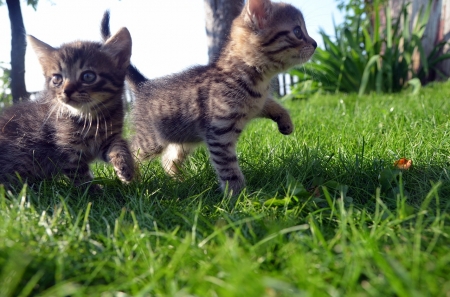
367, 230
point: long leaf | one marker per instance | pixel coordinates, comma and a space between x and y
416, 85
368, 44
351, 41
423, 57
376, 30
441, 74
365, 77
436, 49
406, 23
422, 19
388, 27
439, 59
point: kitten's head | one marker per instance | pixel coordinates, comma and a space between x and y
271, 36
84, 76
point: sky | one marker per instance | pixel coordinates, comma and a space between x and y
168, 35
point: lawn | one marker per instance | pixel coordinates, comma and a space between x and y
325, 213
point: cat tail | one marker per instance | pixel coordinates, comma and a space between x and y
104, 26
134, 77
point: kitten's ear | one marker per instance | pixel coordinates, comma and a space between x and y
257, 13
43, 51
118, 47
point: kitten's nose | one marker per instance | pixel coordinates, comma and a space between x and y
69, 89
314, 43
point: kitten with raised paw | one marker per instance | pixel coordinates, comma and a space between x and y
213, 103
76, 119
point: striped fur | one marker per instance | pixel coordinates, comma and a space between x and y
76, 119
212, 104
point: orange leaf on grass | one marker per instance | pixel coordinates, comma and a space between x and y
403, 163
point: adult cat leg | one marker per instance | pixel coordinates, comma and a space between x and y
174, 155
273, 110
118, 154
222, 151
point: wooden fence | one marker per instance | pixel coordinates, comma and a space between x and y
438, 27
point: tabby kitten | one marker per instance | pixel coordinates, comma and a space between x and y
213, 103
76, 119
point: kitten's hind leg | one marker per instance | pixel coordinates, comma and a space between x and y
273, 110
145, 148
174, 155
224, 159
118, 154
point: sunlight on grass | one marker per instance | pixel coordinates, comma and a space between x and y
325, 213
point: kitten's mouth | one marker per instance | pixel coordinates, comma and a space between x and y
72, 105
80, 105
65, 99
305, 54
74, 100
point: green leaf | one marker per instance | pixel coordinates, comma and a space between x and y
287, 201
33, 3
387, 177
416, 85
365, 77
439, 59
388, 27
423, 57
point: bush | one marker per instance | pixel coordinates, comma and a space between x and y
366, 56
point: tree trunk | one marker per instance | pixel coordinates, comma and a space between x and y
219, 16
18, 48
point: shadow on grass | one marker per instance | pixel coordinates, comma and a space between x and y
361, 179
158, 201
168, 210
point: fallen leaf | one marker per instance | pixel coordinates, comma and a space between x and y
403, 163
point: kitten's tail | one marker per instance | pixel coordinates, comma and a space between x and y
104, 26
134, 76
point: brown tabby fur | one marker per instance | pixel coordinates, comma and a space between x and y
77, 118
213, 103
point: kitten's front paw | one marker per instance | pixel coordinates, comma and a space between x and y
285, 125
233, 186
125, 173
124, 167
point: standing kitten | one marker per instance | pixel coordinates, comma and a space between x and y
77, 118
213, 103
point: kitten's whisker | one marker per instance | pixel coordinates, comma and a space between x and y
81, 117
106, 125
97, 120
60, 111
97, 127
91, 119
104, 117
50, 113
84, 125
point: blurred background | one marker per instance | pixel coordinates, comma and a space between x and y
168, 36
364, 45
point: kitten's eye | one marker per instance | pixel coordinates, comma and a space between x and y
56, 79
298, 32
88, 77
